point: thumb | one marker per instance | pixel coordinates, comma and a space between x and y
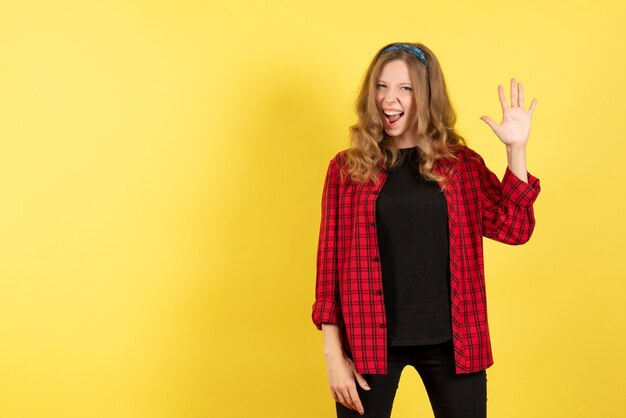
361, 380
489, 122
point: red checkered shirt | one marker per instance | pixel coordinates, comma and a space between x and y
349, 288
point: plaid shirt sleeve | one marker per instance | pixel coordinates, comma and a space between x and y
327, 308
507, 207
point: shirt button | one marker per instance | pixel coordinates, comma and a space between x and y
375, 258
382, 325
372, 224
379, 292
375, 191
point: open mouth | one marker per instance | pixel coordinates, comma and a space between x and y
391, 120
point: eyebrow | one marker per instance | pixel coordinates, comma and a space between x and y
404, 82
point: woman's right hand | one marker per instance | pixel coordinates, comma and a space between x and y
341, 379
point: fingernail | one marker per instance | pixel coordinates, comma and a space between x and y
367, 386
361, 412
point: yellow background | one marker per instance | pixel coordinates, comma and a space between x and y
161, 168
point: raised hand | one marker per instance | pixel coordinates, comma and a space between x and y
515, 126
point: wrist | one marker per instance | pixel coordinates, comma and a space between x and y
516, 153
333, 352
516, 147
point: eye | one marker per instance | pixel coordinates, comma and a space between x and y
408, 88
379, 85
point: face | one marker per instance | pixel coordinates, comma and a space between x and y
395, 93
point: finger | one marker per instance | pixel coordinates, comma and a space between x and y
356, 401
349, 400
346, 397
533, 104
502, 97
334, 395
362, 382
514, 93
342, 400
521, 95
489, 122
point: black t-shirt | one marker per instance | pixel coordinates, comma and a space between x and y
412, 228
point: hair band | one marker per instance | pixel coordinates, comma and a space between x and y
409, 48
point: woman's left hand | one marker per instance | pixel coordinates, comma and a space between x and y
515, 126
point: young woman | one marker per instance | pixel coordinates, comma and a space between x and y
400, 278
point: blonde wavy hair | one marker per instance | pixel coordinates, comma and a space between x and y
436, 138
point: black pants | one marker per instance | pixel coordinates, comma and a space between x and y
451, 395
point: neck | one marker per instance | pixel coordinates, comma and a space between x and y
405, 143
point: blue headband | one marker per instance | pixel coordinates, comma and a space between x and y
409, 48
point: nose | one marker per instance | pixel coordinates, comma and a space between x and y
390, 98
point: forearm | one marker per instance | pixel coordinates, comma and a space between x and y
332, 341
516, 157
507, 214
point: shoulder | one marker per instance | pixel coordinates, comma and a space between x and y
464, 157
468, 158
340, 156
337, 162
335, 166
466, 153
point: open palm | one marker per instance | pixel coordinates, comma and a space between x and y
515, 126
